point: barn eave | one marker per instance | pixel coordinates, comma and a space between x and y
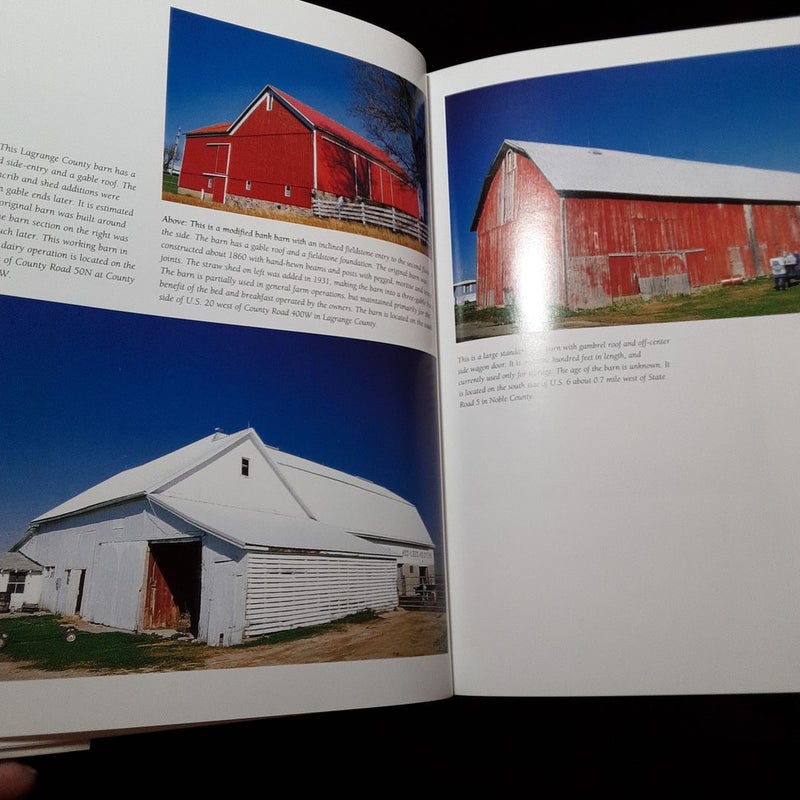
667, 198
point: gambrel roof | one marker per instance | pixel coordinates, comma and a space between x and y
293, 502
591, 171
312, 119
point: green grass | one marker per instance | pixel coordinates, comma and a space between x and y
40, 642
169, 183
750, 299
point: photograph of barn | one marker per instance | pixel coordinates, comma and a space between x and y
589, 226
660, 191
281, 153
281, 129
226, 539
125, 505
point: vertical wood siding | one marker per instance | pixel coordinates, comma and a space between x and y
273, 150
616, 248
291, 590
519, 238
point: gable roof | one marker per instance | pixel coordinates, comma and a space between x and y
577, 171
17, 562
329, 505
141, 480
312, 119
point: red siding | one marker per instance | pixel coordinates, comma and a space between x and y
616, 248
274, 150
519, 240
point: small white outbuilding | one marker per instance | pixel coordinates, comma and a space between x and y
227, 538
20, 582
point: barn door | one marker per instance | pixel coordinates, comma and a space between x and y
172, 587
218, 172
622, 277
70, 592
218, 189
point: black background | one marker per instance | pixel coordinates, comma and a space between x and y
499, 745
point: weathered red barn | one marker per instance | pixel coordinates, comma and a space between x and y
281, 153
583, 227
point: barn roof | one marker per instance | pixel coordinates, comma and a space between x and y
592, 171
328, 505
311, 118
17, 562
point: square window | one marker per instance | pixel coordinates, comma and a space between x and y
16, 582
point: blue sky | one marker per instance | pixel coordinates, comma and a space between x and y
215, 69
88, 393
739, 108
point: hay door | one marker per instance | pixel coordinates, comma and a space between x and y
172, 587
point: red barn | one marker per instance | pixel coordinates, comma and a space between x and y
583, 227
281, 153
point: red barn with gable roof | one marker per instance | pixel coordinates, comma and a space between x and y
281, 153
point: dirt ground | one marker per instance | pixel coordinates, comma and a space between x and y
394, 634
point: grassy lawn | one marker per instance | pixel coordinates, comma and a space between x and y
753, 298
169, 183
40, 642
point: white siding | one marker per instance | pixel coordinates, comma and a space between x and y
31, 593
220, 480
293, 590
110, 546
222, 604
113, 596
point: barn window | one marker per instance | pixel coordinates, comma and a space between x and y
248, 185
210, 183
246, 467
268, 103
287, 190
16, 582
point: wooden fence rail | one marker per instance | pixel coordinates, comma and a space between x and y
367, 214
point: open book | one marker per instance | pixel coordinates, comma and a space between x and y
332, 383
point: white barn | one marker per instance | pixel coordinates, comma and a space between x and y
227, 538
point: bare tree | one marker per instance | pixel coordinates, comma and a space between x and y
171, 153
393, 113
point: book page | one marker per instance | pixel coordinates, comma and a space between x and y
220, 425
617, 237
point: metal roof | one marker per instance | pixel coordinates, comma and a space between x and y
594, 171
140, 480
296, 502
17, 562
258, 528
312, 119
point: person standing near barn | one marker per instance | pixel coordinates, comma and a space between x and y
778, 266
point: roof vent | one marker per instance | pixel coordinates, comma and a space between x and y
596, 152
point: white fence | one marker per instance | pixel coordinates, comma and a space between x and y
367, 214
